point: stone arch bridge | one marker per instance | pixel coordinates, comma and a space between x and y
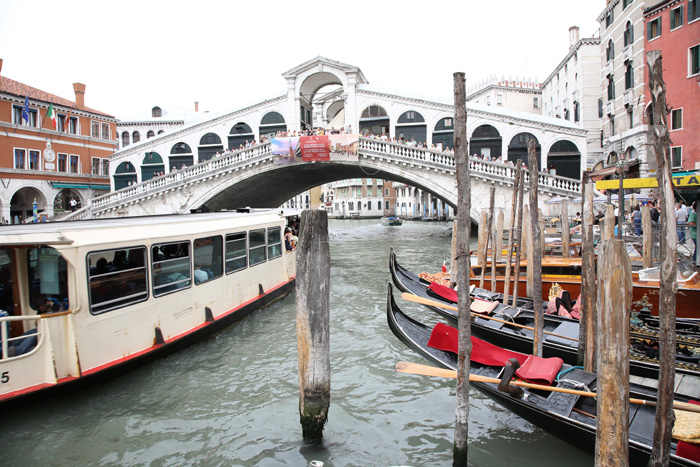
249, 178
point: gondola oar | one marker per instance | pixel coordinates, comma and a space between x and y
427, 370
427, 301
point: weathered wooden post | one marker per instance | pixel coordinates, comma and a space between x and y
588, 320
511, 235
498, 241
463, 259
565, 232
453, 253
519, 236
487, 236
661, 143
536, 259
614, 303
482, 243
529, 250
608, 230
647, 236
313, 323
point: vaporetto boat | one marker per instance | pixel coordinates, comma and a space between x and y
83, 301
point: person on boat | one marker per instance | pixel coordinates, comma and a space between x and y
637, 219
289, 242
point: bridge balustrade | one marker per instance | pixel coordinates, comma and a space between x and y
492, 171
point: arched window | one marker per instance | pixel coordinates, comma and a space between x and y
610, 51
629, 34
125, 139
150, 134
136, 137
629, 76
156, 112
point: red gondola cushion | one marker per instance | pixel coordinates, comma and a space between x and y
533, 369
444, 292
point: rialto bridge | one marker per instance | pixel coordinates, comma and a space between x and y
202, 164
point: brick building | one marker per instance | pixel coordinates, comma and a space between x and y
673, 27
46, 163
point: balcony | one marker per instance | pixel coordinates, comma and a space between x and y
628, 97
627, 53
607, 71
610, 107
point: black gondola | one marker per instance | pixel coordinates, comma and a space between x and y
566, 416
519, 339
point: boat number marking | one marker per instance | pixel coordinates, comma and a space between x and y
5, 378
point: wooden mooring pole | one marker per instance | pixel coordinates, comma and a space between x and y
536, 260
313, 323
519, 235
614, 303
588, 320
463, 265
647, 236
511, 235
497, 248
661, 143
565, 232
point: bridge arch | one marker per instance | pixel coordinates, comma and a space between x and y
181, 156
411, 125
517, 148
375, 119
239, 134
151, 166
486, 141
564, 158
21, 202
209, 145
444, 131
124, 175
271, 123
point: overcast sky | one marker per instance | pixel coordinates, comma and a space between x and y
133, 55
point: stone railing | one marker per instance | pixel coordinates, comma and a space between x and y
486, 170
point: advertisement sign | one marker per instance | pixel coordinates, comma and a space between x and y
344, 147
285, 150
314, 148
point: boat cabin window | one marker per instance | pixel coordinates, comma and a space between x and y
256, 251
117, 278
47, 277
7, 302
208, 260
274, 242
171, 267
236, 252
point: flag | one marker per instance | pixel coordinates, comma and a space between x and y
66, 124
52, 115
444, 266
25, 110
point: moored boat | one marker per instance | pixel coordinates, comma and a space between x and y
510, 330
87, 300
567, 416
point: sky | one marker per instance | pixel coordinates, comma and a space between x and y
134, 55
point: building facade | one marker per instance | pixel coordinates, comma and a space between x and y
623, 81
514, 94
572, 91
45, 162
673, 27
159, 120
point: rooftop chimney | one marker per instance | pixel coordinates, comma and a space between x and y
79, 89
196, 106
573, 36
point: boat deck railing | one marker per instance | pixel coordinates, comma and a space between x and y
37, 331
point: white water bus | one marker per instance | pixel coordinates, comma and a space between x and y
86, 300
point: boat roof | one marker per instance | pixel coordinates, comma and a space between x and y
123, 229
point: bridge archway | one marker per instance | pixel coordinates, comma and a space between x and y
124, 175
444, 133
209, 145
565, 158
151, 166
374, 119
271, 123
411, 126
486, 141
180, 156
240, 134
517, 149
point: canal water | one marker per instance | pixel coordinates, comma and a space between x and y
233, 399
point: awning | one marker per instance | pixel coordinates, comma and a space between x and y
602, 173
78, 186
